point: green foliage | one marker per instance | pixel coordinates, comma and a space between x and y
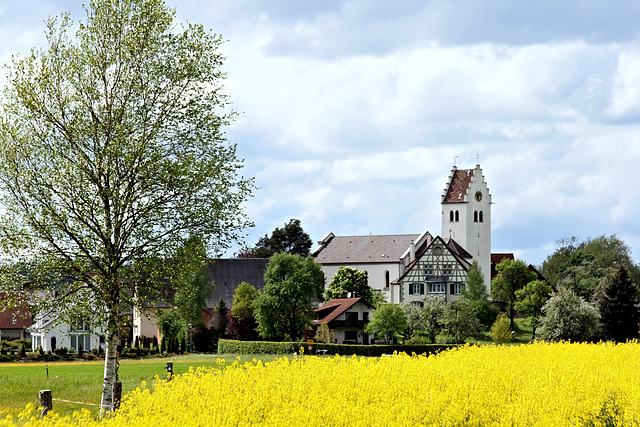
388, 321
265, 347
351, 281
511, 275
291, 239
285, 305
258, 347
619, 308
586, 262
459, 321
324, 334
531, 299
112, 154
171, 324
567, 316
475, 293
500, 330
426, 320
243, 300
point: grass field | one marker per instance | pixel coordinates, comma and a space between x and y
82, 381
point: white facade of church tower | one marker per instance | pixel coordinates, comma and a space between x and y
466, 215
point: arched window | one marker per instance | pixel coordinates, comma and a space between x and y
457, 216
475, 216
481, 219
451, 216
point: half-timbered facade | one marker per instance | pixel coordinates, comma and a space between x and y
440, 271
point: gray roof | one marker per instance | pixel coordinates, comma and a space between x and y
364, 249
228, 273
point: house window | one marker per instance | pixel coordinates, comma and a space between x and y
436, 288
416, 288
386, 279
351, 316
79, 342
418, 303
456, 288
365, 316
428, 270
447, 270
351, 336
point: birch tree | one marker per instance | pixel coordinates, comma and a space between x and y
112, 154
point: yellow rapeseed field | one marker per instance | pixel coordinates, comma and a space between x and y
541, 384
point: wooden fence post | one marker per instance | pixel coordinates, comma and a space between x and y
117, 394
46, 401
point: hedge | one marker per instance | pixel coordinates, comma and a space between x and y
265, 347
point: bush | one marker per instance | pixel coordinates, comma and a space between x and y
266, 347
500, 331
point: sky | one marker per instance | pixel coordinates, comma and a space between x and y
354, 112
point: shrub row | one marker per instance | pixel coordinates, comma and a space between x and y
257, 347
266, 347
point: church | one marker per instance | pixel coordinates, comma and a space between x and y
408, 268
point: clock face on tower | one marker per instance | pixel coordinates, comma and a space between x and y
478, 196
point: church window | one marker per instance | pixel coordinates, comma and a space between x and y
481, 219
451, 216
457, 216
475, 216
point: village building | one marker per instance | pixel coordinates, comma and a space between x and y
346, 317
226, 274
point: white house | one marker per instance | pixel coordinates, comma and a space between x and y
47, 334
411, 267
346, 317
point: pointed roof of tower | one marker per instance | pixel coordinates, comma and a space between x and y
458, 185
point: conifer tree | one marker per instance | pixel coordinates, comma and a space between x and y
618, 308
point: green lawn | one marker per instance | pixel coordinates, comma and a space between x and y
82, 381
523, 334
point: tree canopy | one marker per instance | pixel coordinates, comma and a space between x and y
352, 282
592, 258
567, 316
511, 275
112, 154
284, 308
291, 239
619, 308
388, 321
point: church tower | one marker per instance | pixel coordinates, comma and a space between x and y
466, 216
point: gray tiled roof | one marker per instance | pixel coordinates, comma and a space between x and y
365, 249
228, 273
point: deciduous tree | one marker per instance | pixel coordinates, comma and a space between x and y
511, 276
566, 316
351, 281
475, 293
531, 299
284, 308
112, 153
291, 239
387, 321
